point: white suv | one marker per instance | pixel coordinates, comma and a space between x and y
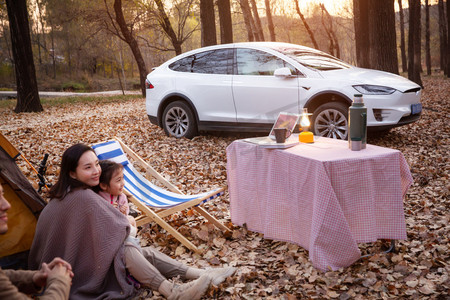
243, 87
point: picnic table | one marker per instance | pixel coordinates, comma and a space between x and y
321, 196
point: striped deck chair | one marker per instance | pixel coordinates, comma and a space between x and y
155, 202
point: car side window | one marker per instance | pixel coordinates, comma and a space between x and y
209, 62
182, 65
256, 62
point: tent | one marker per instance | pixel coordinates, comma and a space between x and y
26, 204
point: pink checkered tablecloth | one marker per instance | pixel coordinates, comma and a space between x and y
322, 196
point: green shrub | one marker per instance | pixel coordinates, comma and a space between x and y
6, 75
72, 86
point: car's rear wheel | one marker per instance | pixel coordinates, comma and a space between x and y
179, 121
331, 120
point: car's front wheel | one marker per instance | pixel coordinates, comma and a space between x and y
178, 120
331, 120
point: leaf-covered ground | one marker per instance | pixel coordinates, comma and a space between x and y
419, 269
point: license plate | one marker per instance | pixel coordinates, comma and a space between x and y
416, 108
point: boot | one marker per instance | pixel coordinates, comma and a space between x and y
193, 290
218, 275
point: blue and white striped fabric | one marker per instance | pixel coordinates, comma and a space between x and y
111, 150
139, 186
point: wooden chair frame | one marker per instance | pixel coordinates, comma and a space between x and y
157, 215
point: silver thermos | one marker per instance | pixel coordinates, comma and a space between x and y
357, 124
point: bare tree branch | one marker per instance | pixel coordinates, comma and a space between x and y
311, 34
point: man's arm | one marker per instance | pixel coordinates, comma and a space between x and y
57, 279
13, 284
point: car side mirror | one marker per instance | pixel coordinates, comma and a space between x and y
283, 72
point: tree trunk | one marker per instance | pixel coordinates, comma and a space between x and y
132, 68
327, 30
208, 22
414, 42
334, 42
120, 81
38, 40
27, 89
226, 25
443, 44
382, 36
248, 20
41, 22
43, 44
8, 48
131, 41
111, 74
270, 21
361, 24
402, 37
35, 39
93, 67
427, 38
68, 52
253, 25
122, 68
164, 21
259, 28
302, 17
53, 50
448, 39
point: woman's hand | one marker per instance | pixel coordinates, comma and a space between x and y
57, 261
57, 267
60, 271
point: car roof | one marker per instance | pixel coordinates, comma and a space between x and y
255, 45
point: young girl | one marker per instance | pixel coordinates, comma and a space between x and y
111, 189
79, 226
111, 185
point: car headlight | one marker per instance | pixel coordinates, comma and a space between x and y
367, 89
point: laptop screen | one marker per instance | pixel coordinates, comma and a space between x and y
285, 120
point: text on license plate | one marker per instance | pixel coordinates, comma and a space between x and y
416, 108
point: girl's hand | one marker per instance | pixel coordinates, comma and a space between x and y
123, 209
132, 221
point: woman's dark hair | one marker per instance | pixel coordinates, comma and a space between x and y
69, 164
109, 167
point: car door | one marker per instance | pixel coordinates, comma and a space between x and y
206, 80
259, 95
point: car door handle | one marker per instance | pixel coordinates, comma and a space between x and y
306, 87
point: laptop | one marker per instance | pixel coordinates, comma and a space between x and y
284, 120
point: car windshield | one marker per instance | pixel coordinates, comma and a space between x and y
313, 59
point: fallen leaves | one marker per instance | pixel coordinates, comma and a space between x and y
418, 269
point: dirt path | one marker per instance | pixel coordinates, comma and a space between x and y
13, 94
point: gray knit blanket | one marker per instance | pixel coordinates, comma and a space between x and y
89, 233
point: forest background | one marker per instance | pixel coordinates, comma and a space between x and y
82, 45
76, 45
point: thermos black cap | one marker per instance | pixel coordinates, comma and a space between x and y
357, 98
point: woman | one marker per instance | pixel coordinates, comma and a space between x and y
83, 229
